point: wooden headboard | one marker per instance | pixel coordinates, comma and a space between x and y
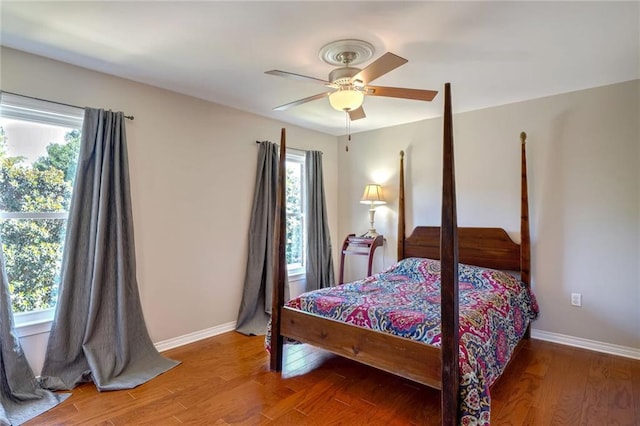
487, 247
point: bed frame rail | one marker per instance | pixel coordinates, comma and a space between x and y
403, 357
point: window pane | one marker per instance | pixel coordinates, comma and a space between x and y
294, 187
33, 255
37, 168
294, 241
295, 248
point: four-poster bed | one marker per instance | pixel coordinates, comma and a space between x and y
433, 361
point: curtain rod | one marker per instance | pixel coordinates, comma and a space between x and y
295, 149
128, 117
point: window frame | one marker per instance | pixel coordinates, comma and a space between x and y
298, 271
28, 109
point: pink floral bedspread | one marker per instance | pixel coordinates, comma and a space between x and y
495, 310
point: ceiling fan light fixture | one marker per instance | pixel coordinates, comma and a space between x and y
346, 100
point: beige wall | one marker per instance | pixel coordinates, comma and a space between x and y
192, 166
584, 187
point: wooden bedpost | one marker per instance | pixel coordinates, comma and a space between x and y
279, 260
525, 238
401, 223
449, 279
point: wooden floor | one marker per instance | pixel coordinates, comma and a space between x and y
225, 380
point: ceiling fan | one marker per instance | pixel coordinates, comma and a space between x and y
348, 85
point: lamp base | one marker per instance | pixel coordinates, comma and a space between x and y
371, 233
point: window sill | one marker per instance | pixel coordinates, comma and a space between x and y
294, 276
32, 323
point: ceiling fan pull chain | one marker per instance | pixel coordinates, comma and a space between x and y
348, 125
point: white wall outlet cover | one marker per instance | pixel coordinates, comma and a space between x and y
576, 299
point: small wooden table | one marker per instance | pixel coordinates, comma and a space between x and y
361, 246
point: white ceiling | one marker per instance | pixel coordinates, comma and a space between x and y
493, 53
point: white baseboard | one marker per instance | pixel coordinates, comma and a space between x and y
194, 337
548, 336
593, 345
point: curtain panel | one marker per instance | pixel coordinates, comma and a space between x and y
21, 397
319, 268
255, 308
99, 332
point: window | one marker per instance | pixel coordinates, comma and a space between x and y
295, 194
39, 143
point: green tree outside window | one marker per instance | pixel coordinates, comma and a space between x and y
33, 246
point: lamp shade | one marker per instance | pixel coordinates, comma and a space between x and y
372, 194
346, 100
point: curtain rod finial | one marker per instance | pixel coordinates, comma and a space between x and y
523, 137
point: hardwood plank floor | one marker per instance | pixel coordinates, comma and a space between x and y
225, 380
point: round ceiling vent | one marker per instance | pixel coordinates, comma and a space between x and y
341, 52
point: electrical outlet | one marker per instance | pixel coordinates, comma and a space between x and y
576, 299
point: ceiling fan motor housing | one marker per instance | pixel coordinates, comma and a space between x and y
342, 76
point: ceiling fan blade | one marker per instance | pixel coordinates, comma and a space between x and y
357, 114
401, 92
302, 101
300, 77
379, 67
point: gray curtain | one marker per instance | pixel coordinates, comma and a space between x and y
21, 398
319, 267
255, 308
98, 331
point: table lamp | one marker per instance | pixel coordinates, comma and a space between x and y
372, 196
